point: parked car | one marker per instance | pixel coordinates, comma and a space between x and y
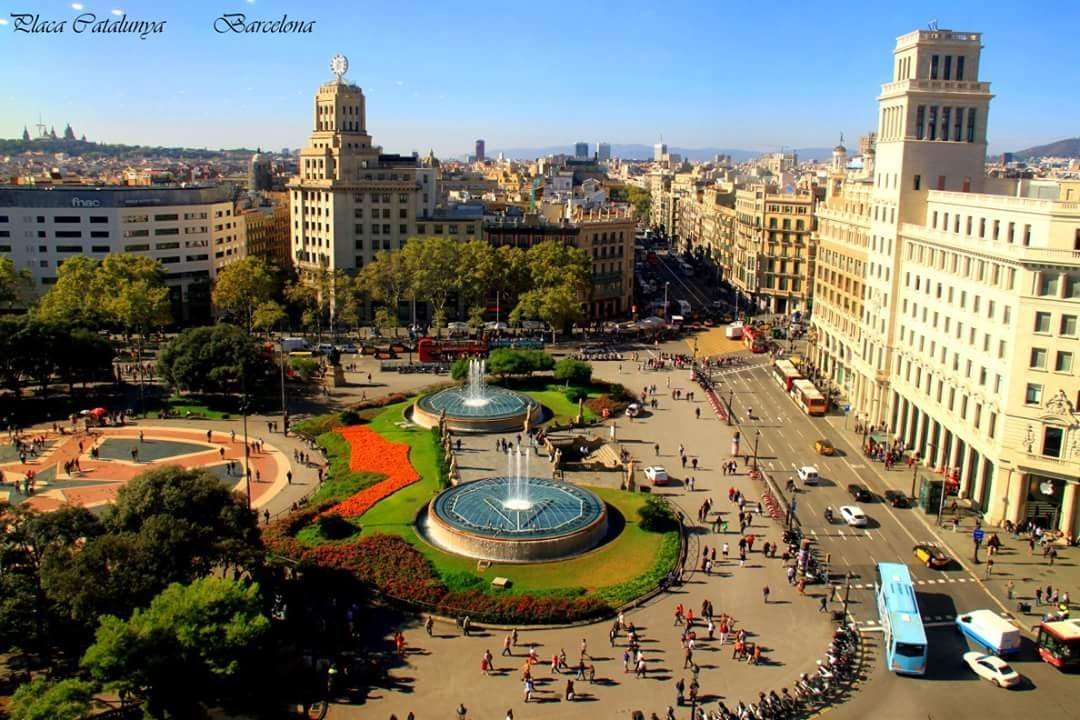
656, 474
853, 516
808, 474
992, 668
323, 348
824, 447
349, 349
633, 409
860, 493
931, 555
897, 499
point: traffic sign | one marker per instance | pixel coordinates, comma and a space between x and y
847, 409
977, 535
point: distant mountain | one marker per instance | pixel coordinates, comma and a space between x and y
74, 147
1062, 148
645, 152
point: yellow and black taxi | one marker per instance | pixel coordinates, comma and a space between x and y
931, 555
824, 447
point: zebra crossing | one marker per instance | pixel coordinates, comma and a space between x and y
929, 621
931, 581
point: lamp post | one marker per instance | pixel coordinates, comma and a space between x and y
847, 592
284, 408
757, 436
730, 406
667, 284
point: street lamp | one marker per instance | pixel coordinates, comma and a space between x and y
667, 284
284, 408
757, 435
730, 407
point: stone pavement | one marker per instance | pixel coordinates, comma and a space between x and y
442, 671
1014, 562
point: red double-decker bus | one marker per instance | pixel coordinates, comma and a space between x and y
1059, 643
432, 350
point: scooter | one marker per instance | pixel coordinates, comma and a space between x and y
828, 514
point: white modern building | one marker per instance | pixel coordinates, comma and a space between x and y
946, 302
191, 231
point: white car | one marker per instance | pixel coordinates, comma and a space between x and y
992, 668
808, 474
633, 409
853, 516
656, 474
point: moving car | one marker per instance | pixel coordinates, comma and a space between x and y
931, 555
808, 474
897, 499
656, 474
991, 632
633, 409
853, 516
992, 668
824, 447
349, 349
860, 493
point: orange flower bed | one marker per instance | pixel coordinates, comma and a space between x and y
371, 452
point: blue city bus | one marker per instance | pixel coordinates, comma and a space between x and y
905, 638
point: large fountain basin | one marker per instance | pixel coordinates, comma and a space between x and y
483, 519
503, 411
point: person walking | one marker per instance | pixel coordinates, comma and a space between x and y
989, 567
1010, 589
1038, 596
429, 624
506, 646
765, 594
1052, 554
823, 604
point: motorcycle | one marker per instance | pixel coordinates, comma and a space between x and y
829, 514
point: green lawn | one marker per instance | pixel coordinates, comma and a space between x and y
620, 570
216, 408
560, 406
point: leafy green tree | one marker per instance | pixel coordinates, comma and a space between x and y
432, 268
267, 315
193, 648
15, 284
573, 371
559, 306
137, 300
168, 525
477, 272
44, 699
513, 277
78, 296
242, 287
211, 360
41, 345
88, 356
386, 280
640, 199
459, 369
554, 264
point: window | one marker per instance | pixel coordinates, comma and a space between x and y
1052, 440
99, 233
933, 70
971, 125
1042, 322
167, 246
959, 68
166, 218
920, 121
69, 248
1048, 285
958, 125
1033, 396
98, 219
136, 248
136, 233
166, 231
931, 128
1068, 325
1038, 359
67, 219
917, 182
948, 67
1063, 362
946, 114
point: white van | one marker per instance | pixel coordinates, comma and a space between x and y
291, 344
733, 331
990, 631
684, 308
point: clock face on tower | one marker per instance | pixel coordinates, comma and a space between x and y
339, 65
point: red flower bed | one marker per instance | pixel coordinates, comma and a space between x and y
387, 562
371, 452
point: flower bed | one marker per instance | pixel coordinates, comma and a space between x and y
371, 452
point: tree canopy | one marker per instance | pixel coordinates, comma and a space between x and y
211, 360
15, 284
242, 287
191, 649
124, 292
45, 699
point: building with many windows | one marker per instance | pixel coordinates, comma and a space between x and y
947, 301
191, 231
351, 200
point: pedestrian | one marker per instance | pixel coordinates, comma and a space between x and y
429, 625
266, 516
626, 660
288, 476
612, 634
989, 566
1010, 589
506, 647
1038, 596
697, 413
462, 713
823, 605
656, 449
765, 594
1052, 555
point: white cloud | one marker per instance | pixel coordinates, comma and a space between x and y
3, 21
399, 83
118, 12
76, 6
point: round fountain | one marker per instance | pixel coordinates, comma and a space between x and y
475, 406
516, 517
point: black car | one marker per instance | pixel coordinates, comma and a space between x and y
860, 493
897, 499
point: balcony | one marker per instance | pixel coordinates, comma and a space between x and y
920, 85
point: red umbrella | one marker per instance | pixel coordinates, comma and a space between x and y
99, 411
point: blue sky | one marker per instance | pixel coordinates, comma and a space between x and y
440, 74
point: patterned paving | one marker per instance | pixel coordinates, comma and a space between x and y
96, 481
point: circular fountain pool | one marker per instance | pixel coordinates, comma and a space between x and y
475, 406
515, 519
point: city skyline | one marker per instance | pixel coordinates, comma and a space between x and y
533, 88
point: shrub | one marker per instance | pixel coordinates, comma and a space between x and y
350, 417
315, 426
507, 361
599, 404
656, 516
305, 368
334, 527
619, 393
459, 369
573, 394
440, 460
573, 371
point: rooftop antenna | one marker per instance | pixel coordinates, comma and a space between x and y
933, 25
40, 126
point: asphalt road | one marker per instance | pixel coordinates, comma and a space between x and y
949, 690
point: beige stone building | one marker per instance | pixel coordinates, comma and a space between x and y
966, 340
773, 255
351, 200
